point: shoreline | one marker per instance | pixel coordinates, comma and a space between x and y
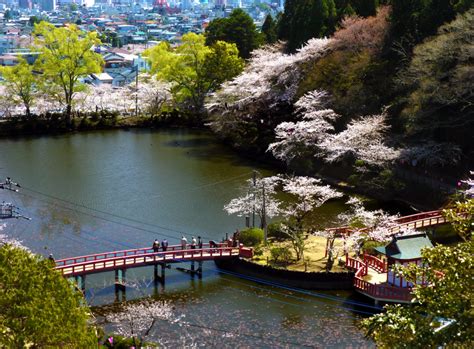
297, 279
409, 198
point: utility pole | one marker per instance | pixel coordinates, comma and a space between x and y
264, 216
8, 210
254, 194
136, 93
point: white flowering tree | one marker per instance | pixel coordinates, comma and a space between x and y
138, 320
254, 100
252, 202
296, 139
7, 240
308, 194
363, 139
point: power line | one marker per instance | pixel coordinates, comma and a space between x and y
159, 196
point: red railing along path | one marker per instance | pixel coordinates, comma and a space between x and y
125, 259
415, 221
382, 292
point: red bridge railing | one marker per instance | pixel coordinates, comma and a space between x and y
107, 261
415, 221
377, 291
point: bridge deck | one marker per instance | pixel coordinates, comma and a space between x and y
126, 259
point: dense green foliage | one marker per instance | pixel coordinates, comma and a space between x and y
194, 69
440, 82
251, 236
238, 28
448, 298
441, 314
66, 56
38, 307
305, 19
269, 30
280, 255
461, 217
21, 84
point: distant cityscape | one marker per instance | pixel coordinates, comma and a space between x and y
125, 27
181, 5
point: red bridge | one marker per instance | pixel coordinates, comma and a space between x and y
415, 221
120, 260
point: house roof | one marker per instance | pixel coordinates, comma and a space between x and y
406, 247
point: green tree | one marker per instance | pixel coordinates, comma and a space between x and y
447, 300
34, 20
194, 69
7, 15
21, 84
439, 81
306, 19
461, 217
414, 20
238, 28
269, 30
38, 307
66, 56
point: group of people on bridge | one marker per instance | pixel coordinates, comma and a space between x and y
156, 245
184, 244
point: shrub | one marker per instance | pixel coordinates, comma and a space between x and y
251, 236
280, 255
370, 245
274, 230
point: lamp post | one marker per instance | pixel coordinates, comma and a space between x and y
136, 92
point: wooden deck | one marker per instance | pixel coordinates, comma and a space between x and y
371, 280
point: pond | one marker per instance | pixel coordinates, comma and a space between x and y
101, 191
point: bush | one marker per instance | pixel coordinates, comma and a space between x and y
369, 246
251, 236
275, 231
280, 255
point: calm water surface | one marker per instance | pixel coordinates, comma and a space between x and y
101, 191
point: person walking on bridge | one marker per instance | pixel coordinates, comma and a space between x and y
184, 242
164, 245
156, 246
193, 242
199, 242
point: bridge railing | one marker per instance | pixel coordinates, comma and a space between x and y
86, 266
418, 220
383, 291
375, 263
122, 253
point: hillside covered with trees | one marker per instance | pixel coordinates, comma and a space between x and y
374, 92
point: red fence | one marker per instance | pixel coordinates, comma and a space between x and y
377, 291
145, 256
375, 263
415, 221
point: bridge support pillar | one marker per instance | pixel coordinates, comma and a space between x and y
81, 282
157, 277
120, 286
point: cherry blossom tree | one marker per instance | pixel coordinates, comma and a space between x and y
7, 240
253, 201
295, 139
268, 84
308, 193
469, 192
363, 139
138, 320
431, 154
358, 33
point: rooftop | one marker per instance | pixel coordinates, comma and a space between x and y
406, 247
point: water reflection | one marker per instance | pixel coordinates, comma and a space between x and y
102, 191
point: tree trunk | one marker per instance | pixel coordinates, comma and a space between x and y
69, 115
28, 112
